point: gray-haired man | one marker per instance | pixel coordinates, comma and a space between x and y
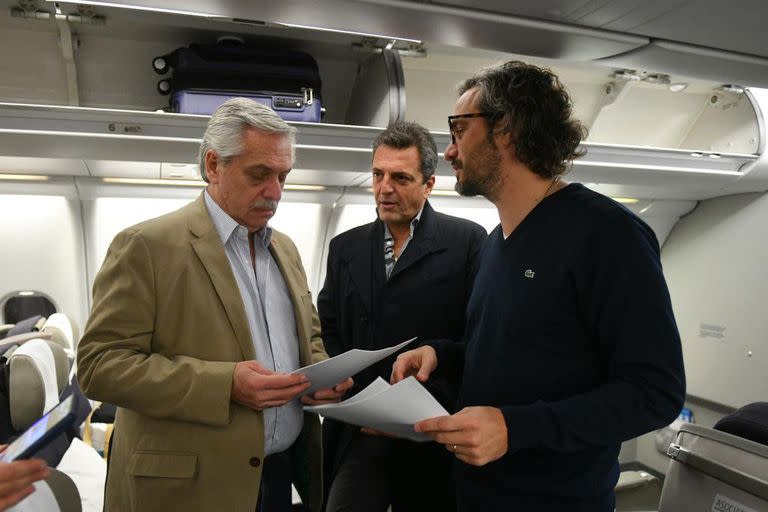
199, 317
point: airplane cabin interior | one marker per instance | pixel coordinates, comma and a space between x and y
674, 95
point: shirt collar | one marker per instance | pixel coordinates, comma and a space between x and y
226, 226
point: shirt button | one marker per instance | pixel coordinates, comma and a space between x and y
255, 462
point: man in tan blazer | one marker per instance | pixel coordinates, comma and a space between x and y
199, 317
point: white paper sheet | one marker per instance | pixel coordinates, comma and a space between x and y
330, 372
391, 409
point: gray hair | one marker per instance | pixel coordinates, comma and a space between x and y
224, 133
403, 135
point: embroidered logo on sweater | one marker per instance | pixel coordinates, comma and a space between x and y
529, 274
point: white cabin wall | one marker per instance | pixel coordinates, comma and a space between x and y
714, 261
42, 238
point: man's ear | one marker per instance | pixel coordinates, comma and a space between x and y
430, 183
212, 166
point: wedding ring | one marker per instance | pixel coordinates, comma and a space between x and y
453, 448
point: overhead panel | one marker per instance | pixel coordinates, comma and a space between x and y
331, 154
685, 60
732, 26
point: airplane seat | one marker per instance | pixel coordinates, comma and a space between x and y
36, 371
62, 329
38, 377
32, 383
714, 469
57, 493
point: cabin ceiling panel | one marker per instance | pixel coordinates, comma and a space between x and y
737, 27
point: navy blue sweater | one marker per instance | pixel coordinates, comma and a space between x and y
570, 332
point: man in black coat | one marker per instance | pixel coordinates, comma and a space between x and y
409, 273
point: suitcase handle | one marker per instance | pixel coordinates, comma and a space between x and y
718, 471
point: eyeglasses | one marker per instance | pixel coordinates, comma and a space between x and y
452, 127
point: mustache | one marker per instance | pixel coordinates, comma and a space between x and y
457, 164
264, 204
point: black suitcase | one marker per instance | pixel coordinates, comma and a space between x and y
239, 70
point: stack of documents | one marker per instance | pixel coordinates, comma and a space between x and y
335, 370
391, 409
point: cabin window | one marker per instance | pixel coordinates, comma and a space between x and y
23, 304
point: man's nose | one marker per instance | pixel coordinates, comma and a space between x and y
273, 189
386, 185
451, 151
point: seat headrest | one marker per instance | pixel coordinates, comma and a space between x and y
65, 491
32, 383
749, 422
62, 330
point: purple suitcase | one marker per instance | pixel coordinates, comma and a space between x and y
291, 107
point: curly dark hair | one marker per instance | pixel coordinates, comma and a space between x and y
532, 105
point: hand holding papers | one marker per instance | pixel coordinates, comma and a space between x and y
390, 409
330, 372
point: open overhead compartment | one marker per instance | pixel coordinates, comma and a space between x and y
115, 143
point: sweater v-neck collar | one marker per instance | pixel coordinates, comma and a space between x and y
540, 207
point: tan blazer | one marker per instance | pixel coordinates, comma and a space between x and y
165, 331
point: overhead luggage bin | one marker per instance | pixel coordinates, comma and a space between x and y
413, 21
333, 154
695, 61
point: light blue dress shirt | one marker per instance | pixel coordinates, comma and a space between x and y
271, 317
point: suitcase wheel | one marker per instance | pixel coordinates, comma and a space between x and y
160, 65
164, 87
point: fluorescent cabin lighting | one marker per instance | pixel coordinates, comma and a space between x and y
195, 183
26, 293
141, 8
312, 188
447, 193
625, 200
23, 177
141, 181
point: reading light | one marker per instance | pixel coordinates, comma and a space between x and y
677, 86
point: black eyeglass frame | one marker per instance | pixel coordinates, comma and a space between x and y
464, 116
